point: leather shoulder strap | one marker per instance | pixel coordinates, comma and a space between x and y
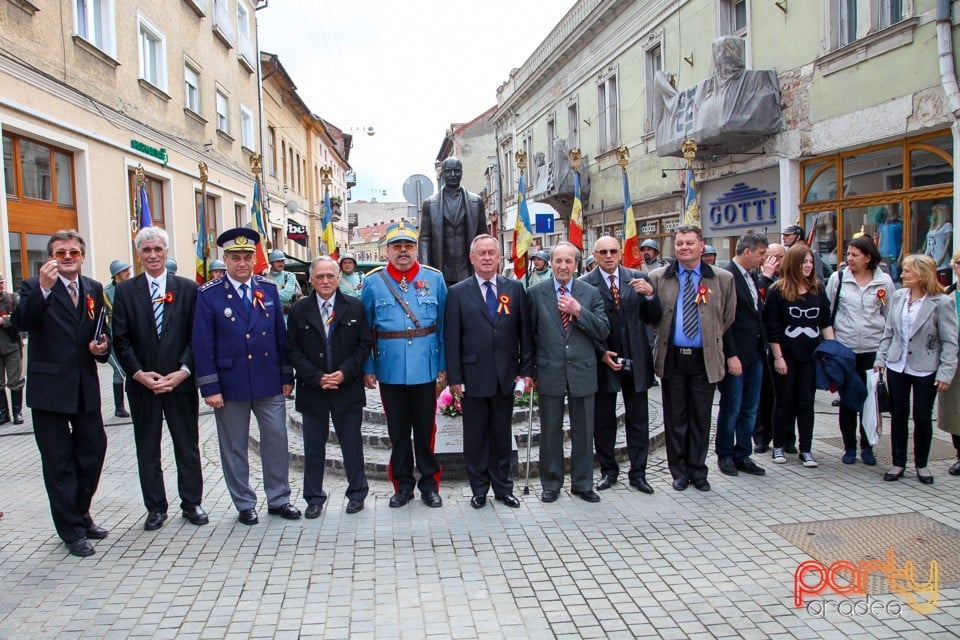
406, 307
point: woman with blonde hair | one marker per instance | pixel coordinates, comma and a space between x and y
948, 402
918, 350
796, 315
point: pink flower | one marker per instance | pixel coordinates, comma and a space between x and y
444, 400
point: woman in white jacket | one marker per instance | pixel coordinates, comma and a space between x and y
919, 352
859, 296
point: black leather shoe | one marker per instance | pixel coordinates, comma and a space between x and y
121, 413
195, 514
926, 477
680, 484
955, 469
399, 499
155, 520
286, 511
313, 511
761, 448
727, 467
641, 485
701, 485
587, 496
478, 502
606, 481
432, 499
749, 466
248, 516
95, 532
354, 506
549, 496
80, 548
510, 500
891, 476
17, 417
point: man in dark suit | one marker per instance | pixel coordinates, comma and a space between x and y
768, 273
60, 309
449, 221
698, 303
625, 363
152, 333
567, 319
240, 351
489, 354
744, 345
328, 342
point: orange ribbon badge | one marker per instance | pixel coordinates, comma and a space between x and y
504, 307
882, 297
258, 299
701, 295
90, 306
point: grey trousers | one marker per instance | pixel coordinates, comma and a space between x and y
233, 429
581, 442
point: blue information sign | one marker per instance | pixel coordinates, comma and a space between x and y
544, 223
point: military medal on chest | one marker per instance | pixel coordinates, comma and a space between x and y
422, 287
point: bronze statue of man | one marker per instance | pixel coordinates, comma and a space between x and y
449, 221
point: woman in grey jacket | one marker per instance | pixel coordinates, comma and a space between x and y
918, 350
860, 296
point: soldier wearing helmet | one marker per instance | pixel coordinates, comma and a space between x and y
650, 251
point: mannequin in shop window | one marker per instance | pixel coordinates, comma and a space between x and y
940, 240
890, 238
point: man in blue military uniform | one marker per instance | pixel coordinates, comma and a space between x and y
404, 302
239, 348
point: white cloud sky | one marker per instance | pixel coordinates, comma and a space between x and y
408, 69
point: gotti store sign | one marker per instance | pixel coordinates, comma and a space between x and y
748, 201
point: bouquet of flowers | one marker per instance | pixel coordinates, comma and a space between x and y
447, 404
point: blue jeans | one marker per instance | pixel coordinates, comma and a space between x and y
739, 399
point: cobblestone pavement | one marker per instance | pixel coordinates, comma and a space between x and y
670, 565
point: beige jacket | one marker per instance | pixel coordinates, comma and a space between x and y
716, 315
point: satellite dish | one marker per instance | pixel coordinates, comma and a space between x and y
417, 188
292, 206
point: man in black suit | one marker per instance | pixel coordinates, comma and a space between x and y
328, 342
153, 332
744, 345
625, 364
489, 354
60, 309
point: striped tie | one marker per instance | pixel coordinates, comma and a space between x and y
327, 317
157, 300
615, 291
691, 318
564, 317
74, 294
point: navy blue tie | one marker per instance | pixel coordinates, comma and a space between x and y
246, 299
491, 301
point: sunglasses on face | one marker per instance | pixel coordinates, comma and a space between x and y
60, 254
608, 252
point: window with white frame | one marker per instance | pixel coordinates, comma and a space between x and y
653, 63
272, 151
551, 136
573, 125
223, 111
846, 21
509, 165
191, 88
244, 42
95, 22
531, 173
891, 12
153, 54
608, 114
246, 127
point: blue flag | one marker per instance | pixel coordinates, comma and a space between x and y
146, 220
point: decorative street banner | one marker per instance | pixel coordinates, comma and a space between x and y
296, 232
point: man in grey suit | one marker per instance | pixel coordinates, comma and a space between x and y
489, 353
567, 318
625, 364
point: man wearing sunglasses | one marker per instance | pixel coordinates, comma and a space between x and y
62, 311
625, 364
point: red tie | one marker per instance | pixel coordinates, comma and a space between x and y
564, 317
615, 291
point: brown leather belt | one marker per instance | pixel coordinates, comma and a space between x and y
407, 334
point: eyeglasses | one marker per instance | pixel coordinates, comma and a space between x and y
60, 254
608, 252
797, 312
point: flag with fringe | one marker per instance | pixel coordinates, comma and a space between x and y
631, 243
522, 233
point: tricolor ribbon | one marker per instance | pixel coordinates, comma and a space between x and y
166, 299
258, 299
882, 297
701, 295
90, 306
504, 306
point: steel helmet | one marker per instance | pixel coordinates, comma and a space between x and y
652, 244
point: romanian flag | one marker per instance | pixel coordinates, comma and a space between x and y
631, 245
146, 220
522, 233
576, 215
256, 223
328, 243
202, 251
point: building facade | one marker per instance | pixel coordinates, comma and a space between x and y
868, 135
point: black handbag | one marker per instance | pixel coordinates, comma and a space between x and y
883, 395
